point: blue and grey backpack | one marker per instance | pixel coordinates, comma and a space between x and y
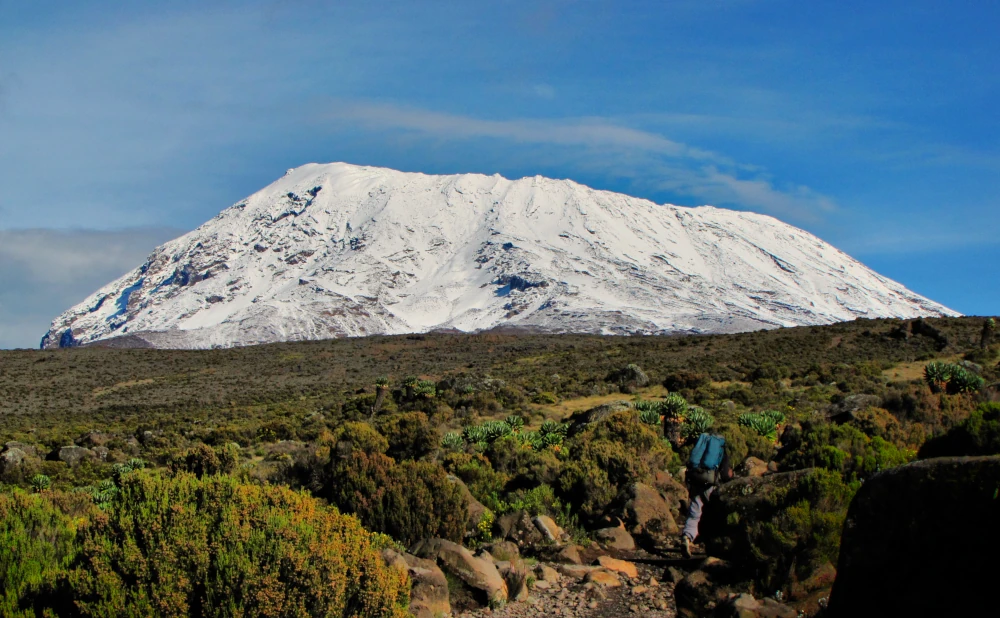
706, 457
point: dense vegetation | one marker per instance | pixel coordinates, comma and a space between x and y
247, 443
178, 545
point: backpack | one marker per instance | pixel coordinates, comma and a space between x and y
706, 457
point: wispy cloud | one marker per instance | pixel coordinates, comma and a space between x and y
654, 159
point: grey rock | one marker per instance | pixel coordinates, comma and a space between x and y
72, 455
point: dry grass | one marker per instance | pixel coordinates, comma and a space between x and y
904, 372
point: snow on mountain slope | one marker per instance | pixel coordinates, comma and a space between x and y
340, 250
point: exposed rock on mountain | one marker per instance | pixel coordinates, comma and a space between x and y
340, 250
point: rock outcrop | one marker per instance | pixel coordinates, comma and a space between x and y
428, 585
921, 540
477, 572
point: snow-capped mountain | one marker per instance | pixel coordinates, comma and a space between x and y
341, 250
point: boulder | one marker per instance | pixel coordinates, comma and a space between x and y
101, 453
580, 420
845, 410
615, 538
428, 585
547, 526
515, 574
547, 574
600, 577
785, 552
478, 573
72, 455
624, 567
503, 550
132, 446
706, 588
745, 606
92, 439
672, 491
576, 571
518, 528
564, 554
752, 466
11, 459
648, 515
27, 449
916, 538
475, 509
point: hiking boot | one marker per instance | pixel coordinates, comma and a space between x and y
686, 546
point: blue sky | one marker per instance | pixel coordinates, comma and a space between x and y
872, 125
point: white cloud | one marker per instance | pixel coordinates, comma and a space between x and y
653, 160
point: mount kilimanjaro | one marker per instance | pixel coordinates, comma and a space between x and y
340, 250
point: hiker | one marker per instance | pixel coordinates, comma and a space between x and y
707, 467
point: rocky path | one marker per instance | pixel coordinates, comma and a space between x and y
590, 596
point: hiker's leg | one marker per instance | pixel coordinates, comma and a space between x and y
694, 516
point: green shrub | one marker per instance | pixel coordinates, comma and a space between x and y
650, 417
743, 442
409, 501
452, 441
764, 425
979, 434
216, 547
359, 436
476, 471
843, 449
545, 398
409, 435
202, 460
516, 422
951, 378
604, 461
775, 415
780, 532
674, 406
37, 546
40, 482
696, 423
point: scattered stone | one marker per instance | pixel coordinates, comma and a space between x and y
515, 575
503, 550
576, 571
673, 575
547, 574
704, 589
92, 439
619, 566
615, 538
603, 578
570, 554
752, 466
519, 528
549, 529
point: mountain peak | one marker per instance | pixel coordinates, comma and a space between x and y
333, 250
